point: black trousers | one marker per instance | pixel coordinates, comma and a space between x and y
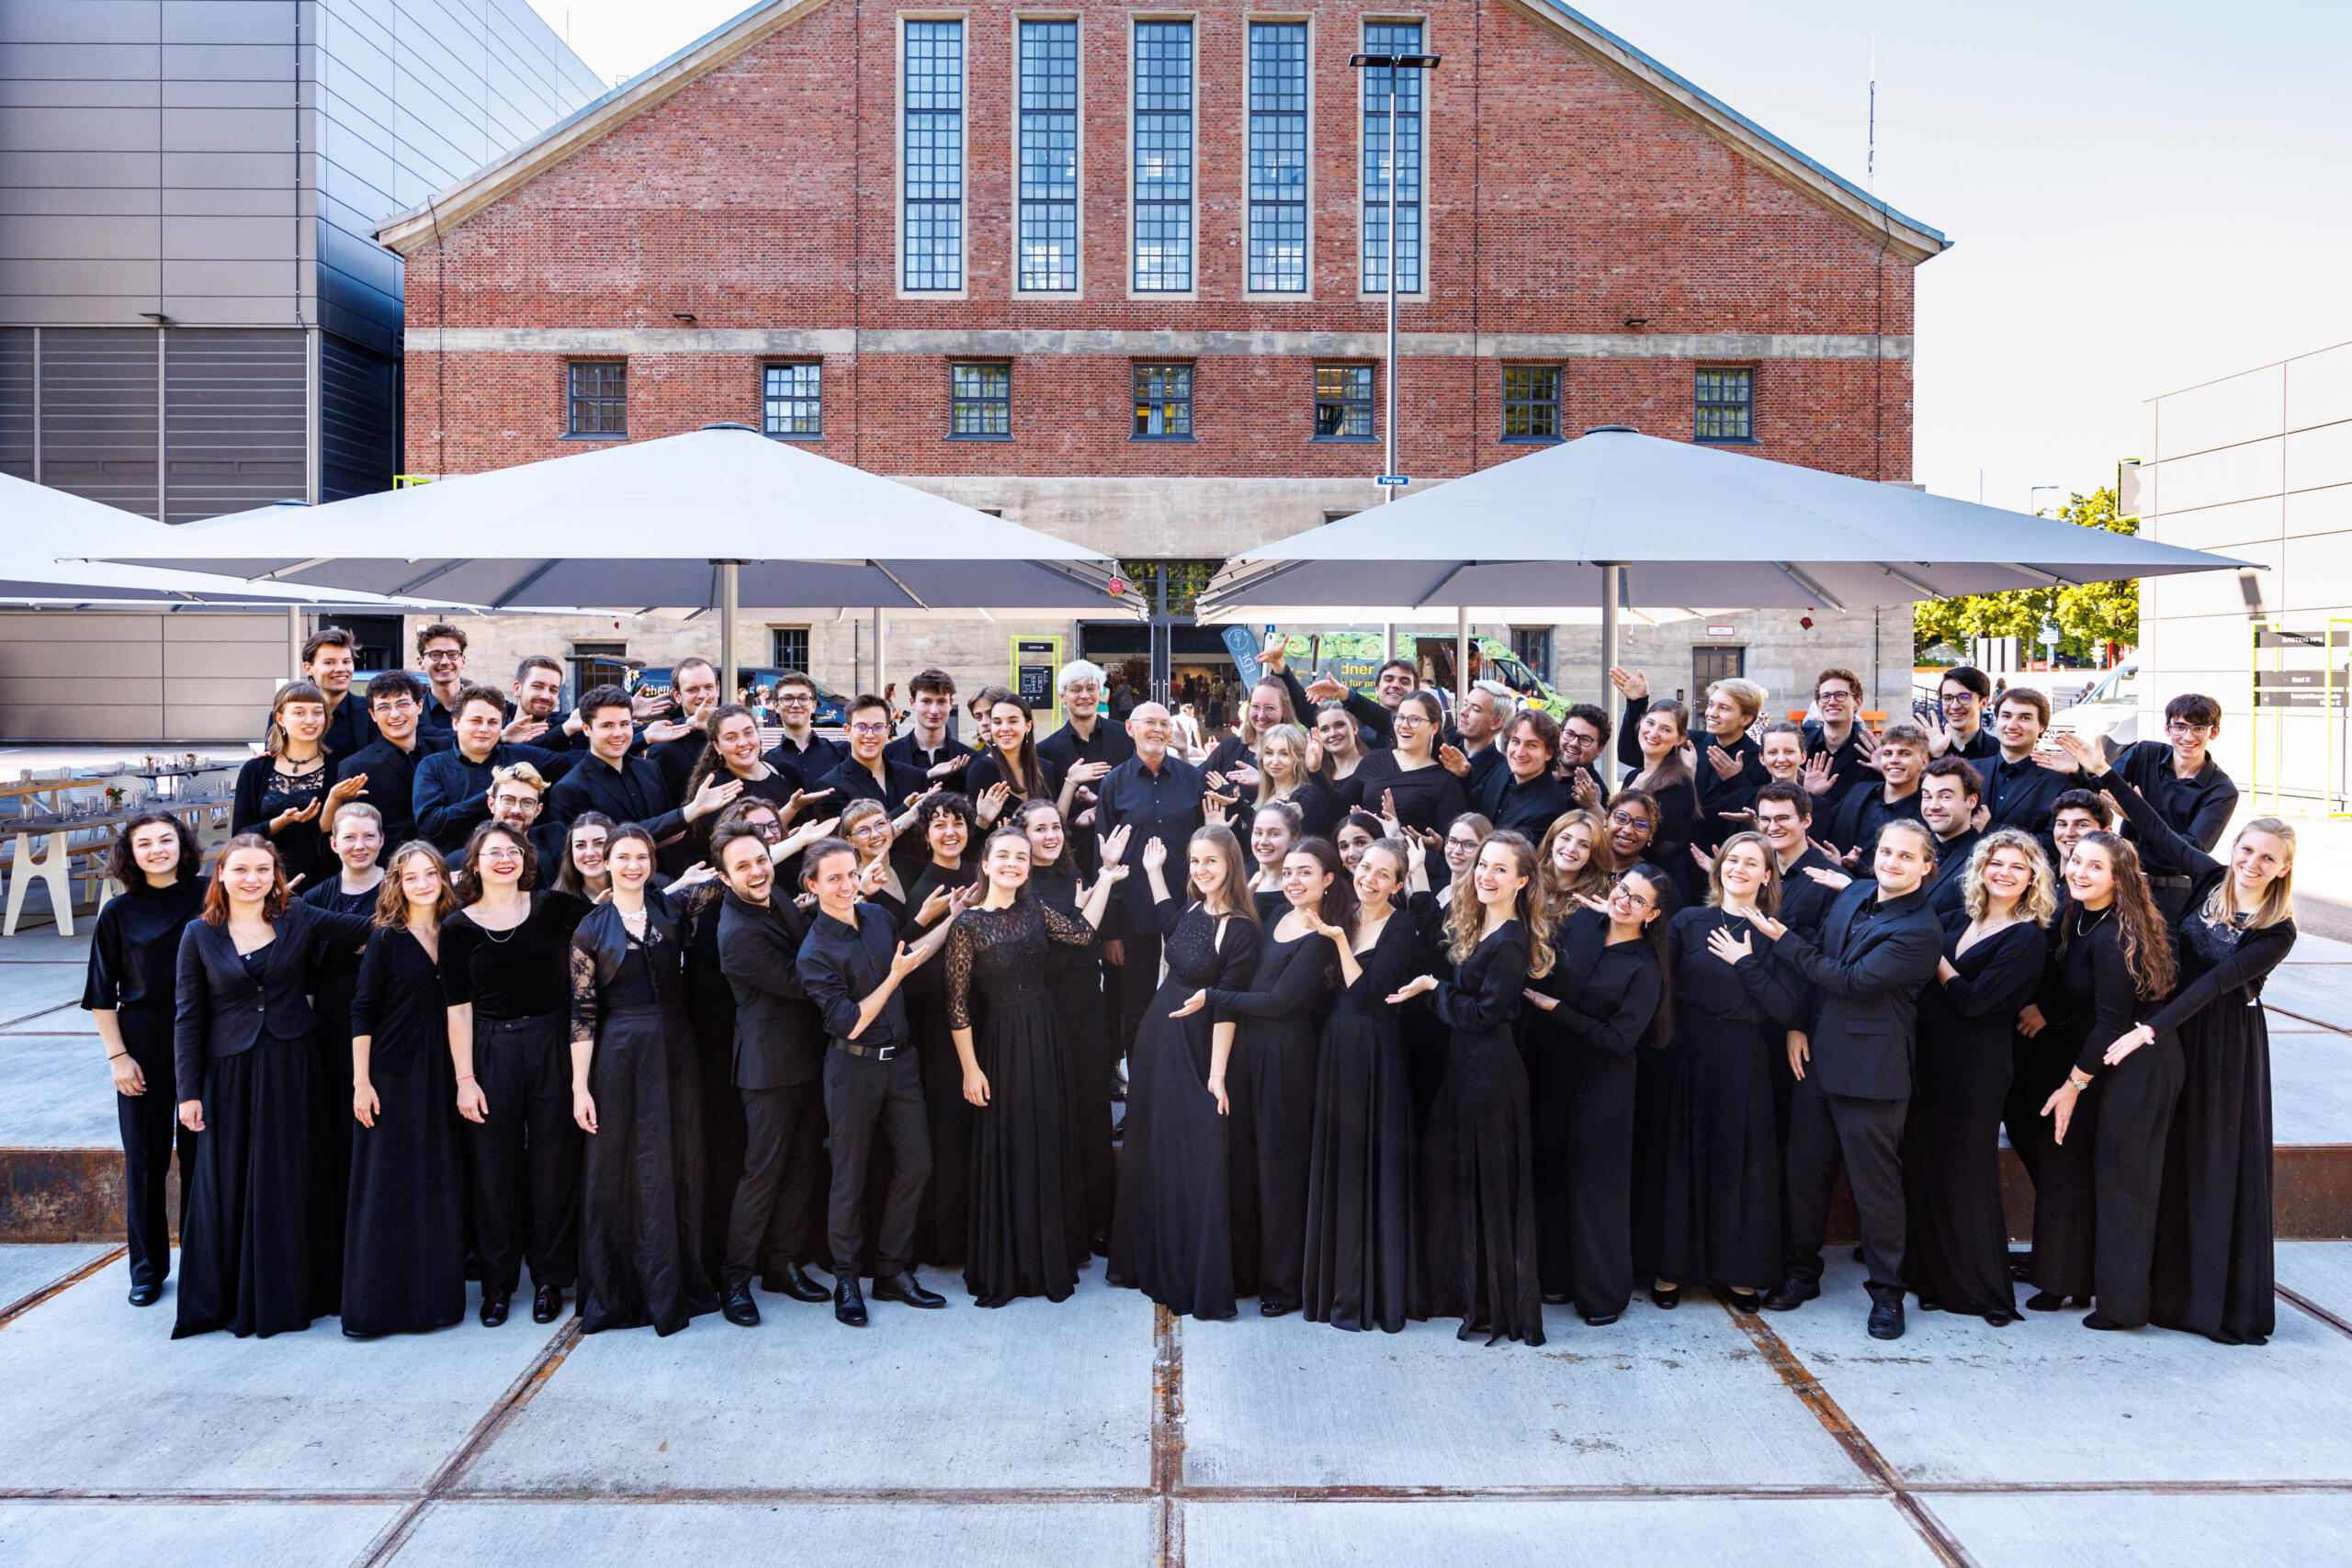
1584, 1175
1867, 1136
1134, 984
783, 1129
151, 1130
525, 1153
864, 1095
2095, 1210
1269, 1139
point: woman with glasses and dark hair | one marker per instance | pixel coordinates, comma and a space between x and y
1406, 781
245, 1058
128, 993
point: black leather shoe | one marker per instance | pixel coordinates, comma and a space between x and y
2000, 1319
738, 1308
1886, 1319
2021, 1266
1602, 1321
1744, 1300
905, 1287
795, 1282
1792, 1294
1270, 1308
1927, 1304
1666, 1296
546, 1303
494, 1302
146, 1295
1555, 1298
849, 1306
2044, 1301
1099, 1244
1858, 1255
2101, 1321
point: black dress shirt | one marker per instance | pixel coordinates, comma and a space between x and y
436, 718
2199, 808
1982, 749
852, 780
1805, 903
1846, 764
135, 953
1485, 763
1947, 889
1529, 807
634, 792
1863, 814
392, 781
351, 728
840, 965
452, 794
2021, 795
1109, 743
1162, 804
909, 753
779, 1035
806, 765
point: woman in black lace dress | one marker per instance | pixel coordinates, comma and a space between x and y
1074, 980
1172, 1235
944, 824
279, 792
634, 1092
1477, 1156
1026, 1231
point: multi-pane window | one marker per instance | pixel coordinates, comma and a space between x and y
1727, 405
1343, 402
1380, 112
1531, 645
788, 648
934, 156
980, 399
1050, 155
1164, 400
1278, 157
598, 397
1163, 137
1531, 403
792, 399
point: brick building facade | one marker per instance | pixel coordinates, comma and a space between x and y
1120, 274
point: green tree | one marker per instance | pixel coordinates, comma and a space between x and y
2088, 617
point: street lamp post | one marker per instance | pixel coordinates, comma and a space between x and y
1392, 64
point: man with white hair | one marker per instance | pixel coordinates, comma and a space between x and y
1089, 744
1479, 718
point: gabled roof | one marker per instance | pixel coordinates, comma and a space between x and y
405, 232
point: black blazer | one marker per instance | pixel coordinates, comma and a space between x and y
1867, 974
221, 1012
779, 1036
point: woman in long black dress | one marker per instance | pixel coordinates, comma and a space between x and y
634, 1092
245, 1056
944, 823
280, 793
134, 963
2213, 1268
1708, 1203
404, 1262
1362, 1269
1271, 1131
2094, 1209
1172, 1235
1027, 1229
1957, 1255
1605, 994
1406, 781
356, 843
1477, 1158
1074, 980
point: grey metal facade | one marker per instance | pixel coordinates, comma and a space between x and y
194, 316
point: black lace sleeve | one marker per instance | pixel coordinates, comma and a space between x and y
962, 943
584, 994
1070, 930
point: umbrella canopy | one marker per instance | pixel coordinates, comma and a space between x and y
647, 525
39, 520
1689, 525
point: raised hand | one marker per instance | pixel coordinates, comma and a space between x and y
1702, 860
1155, 854
1538, 1001
1726, 766
1865, 745
991, 802
712, 795
287, 817
935, 905
2127, 1044
1243, 773
648, 704
1765, 923
1113, 845
1630, 683
694, 875
1088, 772
1192, 1005
801, 797
906, 961
1411, 988
1276, 652
667, 729
1214, 807
1454, 762
876, 873
1828, 878
1816, 778
1388, 817
1583, 790
345, 788
1326, 689
524, 730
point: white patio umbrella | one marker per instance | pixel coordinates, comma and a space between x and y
708, 520
1617, 518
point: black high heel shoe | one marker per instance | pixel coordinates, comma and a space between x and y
1666, 1296
1746, 1300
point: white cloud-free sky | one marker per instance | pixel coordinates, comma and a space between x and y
2143, 196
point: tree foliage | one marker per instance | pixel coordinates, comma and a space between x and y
2088, 618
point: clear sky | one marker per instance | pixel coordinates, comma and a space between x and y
2143, 196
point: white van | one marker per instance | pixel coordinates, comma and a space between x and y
2110, 711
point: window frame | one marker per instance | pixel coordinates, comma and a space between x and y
571, 400
768, 367
1371, 402
1559, 381
776, 650
1077, 112
1191, 368
1006, 401
1543, 637
1249, 290
1420, 168
1191, 205
961, 289
1699, 404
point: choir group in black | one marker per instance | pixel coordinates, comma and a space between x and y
1421, 1016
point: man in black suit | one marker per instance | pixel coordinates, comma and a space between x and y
865, 774
626, 788
1879, 946
1951, 790
1525, 794
779, 1057
1901, 753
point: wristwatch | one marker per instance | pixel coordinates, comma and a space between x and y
2080, 1081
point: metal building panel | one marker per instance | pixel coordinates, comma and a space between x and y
235, 436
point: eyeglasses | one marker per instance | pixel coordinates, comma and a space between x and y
1625, 890
442, 656
869, 730
1959, 700
2182, 727
1833, 696
1628, 819
508, 854
1404, 719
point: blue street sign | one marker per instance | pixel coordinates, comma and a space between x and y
1393, 480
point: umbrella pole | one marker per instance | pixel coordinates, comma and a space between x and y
1613, 582
880, 681
1460, 656
728, 583
293, 642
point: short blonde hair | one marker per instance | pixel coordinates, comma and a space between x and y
518, 773
1750, 696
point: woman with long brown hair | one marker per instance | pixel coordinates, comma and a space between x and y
403, 1259
1406, 781
734, 749
1654, 740
2095, 1203
245, 1055
1008, 769
1477, 1158
1571, 865
280, 793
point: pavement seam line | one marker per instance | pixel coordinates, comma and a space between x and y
2298, 1018
1168, 1436
493, 1421
1799, 1381
58, 1287
2332, 1319
42, 1014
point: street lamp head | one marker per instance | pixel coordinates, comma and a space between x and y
1396, 61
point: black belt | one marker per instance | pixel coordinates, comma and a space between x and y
880, 1053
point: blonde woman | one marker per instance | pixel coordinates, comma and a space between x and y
1995, 946
1568, 871
1289, 764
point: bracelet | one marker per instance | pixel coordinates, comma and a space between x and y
117, 1055
465, 1078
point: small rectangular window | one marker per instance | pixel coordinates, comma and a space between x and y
1050, 155
599, 398
1726, 406
1379, 110
788, 648
980, 401
1278, 157
1531, 645
934, 156
1163, 137
792, 400
1164, 401
1343, 402
1531, 403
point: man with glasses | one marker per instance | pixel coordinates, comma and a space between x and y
1784, 816
2178, 776
386, 767
1155, 794
453, 784
518, 796
865, 774
441, 651
1958, 728
1878, 947
1841, 756
1375, 714
801, 754
1583, 740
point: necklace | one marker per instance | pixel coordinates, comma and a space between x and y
501, 937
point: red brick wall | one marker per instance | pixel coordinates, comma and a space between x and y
1561, 199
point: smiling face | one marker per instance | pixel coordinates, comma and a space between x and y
1525, 753
696, 689
1572, 850
1303, 880
1783, 757
947, 834
1008, 727
499, 862
2256, 859
760, 818
870, 834
1743, 871
587, 844
155, 849
1270, 838
1498, 876
869, 731
1352, 841
1630, 827
358, 839
1206, 868
1150, 726
248, 874
1944, 805
1836, 699
395, 714
2090, 875
444, 661
1392, 685
833, 879
537, 691
1007, 866
1279, 760
1081, 696
1900, 763
631, 863
1726, 721
2068, 825
330, 669
738, 741
1658, 733
1377, 878
2006, 874
1632, 901
1043, 824
515, 804
303, 722
1781, 827
1336, 731
933, 709
1901, 863
422, 880
477, 726
1579, 741
748, 870
1462, 843
1962, 709
2017, 727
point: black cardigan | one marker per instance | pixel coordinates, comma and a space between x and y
221, 1012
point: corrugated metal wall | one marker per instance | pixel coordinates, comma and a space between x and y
234, 434
98, 404
358, 428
